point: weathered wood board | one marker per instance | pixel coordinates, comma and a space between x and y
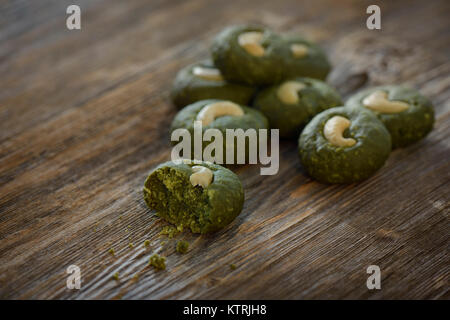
84, 116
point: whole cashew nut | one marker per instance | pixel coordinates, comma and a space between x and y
288, 92
334, 132
299, 50
250, 41
218, 109
207, 73
378, 101
201, 176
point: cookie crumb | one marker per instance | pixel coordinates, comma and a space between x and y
182, 246
157, 261
170, 231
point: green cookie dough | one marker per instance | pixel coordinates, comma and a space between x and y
251, 119
238, 65
406, 125
169, 191
304, 59
289, 111
201, 81
369, 145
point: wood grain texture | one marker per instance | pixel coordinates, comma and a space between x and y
84, 117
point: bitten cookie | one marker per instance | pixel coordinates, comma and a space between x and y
201, 196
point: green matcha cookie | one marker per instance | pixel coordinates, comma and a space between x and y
290, 105
255, 55
407, 114
344, 145
249, 54
202, 196
304, 59
202, 81
221, 115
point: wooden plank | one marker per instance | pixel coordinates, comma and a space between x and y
84, 118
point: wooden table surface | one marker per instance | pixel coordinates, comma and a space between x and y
84, 117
